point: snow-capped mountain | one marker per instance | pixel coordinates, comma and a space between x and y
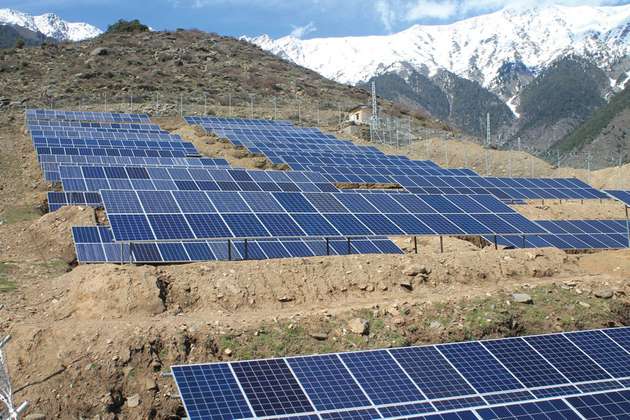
477, 49
50, 25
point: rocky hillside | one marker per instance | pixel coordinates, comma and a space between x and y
172, 72
446, 96
605, 135
553, 66
558, 100
10, 36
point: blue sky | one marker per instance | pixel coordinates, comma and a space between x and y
303, 18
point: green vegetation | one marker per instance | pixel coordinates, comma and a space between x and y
19, 214
555, 308
19, 43
593, 127
6, 285
127, 26
569, 88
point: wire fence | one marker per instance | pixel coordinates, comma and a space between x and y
327, 114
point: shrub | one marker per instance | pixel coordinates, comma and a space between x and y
127, 26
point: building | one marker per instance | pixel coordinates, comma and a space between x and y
361, 114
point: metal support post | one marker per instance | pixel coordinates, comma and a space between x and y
327, 246
441, 244
496, 245
229, 245
246, 256
349, 247
415, 244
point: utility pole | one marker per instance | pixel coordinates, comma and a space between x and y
374, 117
487, 129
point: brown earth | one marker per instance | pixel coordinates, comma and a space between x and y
92, 341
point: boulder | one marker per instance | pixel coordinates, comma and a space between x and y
359, 326
522, 298
99, 52
604, 293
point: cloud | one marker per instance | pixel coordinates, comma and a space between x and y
386, 12
301, 31
432, 10
393, 12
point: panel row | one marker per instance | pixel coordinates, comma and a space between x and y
196, 215
409, 381
96, 245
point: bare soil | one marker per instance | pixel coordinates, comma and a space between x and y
90, 341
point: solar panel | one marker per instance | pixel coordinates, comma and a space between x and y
95, 244
444, 381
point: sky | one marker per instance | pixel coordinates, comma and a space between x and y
277, 18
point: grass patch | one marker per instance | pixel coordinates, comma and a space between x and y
6, 285
19, 214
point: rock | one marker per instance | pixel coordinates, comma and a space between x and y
435, 325
407, 284
99, 52
227, 352
133, 401
319, 336
415, 270
285, 299
150, 384
604, 293
584, 304
359, 326
522, 298
35, 416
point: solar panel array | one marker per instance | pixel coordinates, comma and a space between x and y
623, 196
574, 235
198, 215
153, 191
95, 244
343, 161
91, 152
557, 376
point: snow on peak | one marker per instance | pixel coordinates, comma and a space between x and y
50, 25
474, 48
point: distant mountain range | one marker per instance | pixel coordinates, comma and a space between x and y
47, 26
539, 71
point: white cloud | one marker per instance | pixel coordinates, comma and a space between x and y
386, 12
301, 31
431, 9
391, 12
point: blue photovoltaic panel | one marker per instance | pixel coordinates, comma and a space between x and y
210, 391
369, 414
524, 363
431, 372
610, 405
271, 388
555, 409
406, 409
609, 355
327, 382
479, 367
381, 377
459, 415
567, 358
621, 336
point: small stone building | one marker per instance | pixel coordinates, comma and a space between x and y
361, 114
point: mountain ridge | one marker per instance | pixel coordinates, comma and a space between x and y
50, 25
474, 48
